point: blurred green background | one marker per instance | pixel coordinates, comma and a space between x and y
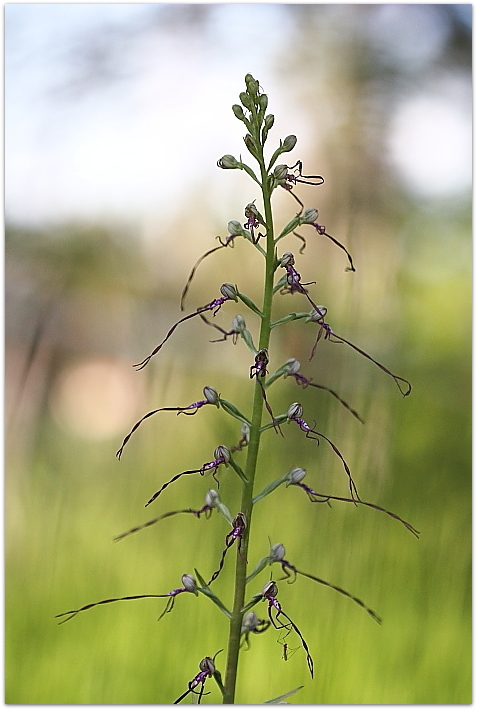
379, 97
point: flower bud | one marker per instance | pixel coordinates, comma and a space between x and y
238, 111
280, 172
246, 100
309, 216
287, 259
296, 475
189, 583
270, 590
252, 85
249, 622
295, 410
235, 228
207, 665
292, 366
277, 553
250, 143
269, 121
238, 324
318, 313
223, 453
251, 211
211, 395
212, 498
263, 102
229, 291
288, 144
228, 162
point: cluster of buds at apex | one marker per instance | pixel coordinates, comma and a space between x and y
252, 84
229, 292
228, 162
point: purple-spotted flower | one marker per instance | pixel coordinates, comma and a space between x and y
259, 370
293, 279
277, 554
292, 367
325, 331
187, 580
239, 524
269, 593
207, 670
221, 456
228, 291
294, 413
287, 177
296, 476
211, 397
211, 500
254, 220
251, 624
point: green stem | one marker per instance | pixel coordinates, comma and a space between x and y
252, 455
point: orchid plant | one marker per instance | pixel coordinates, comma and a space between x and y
281, 278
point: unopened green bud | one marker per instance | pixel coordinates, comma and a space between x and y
288, 144
228, 162
238, 324
309, 216
235, 228
295, 410
246, 100
229, 291
277, 552
296, 475
263, 101
212, 498
291, 366
269, 121
249, 622
211, 395
250, 143
189, 583
252, 85
238, 111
